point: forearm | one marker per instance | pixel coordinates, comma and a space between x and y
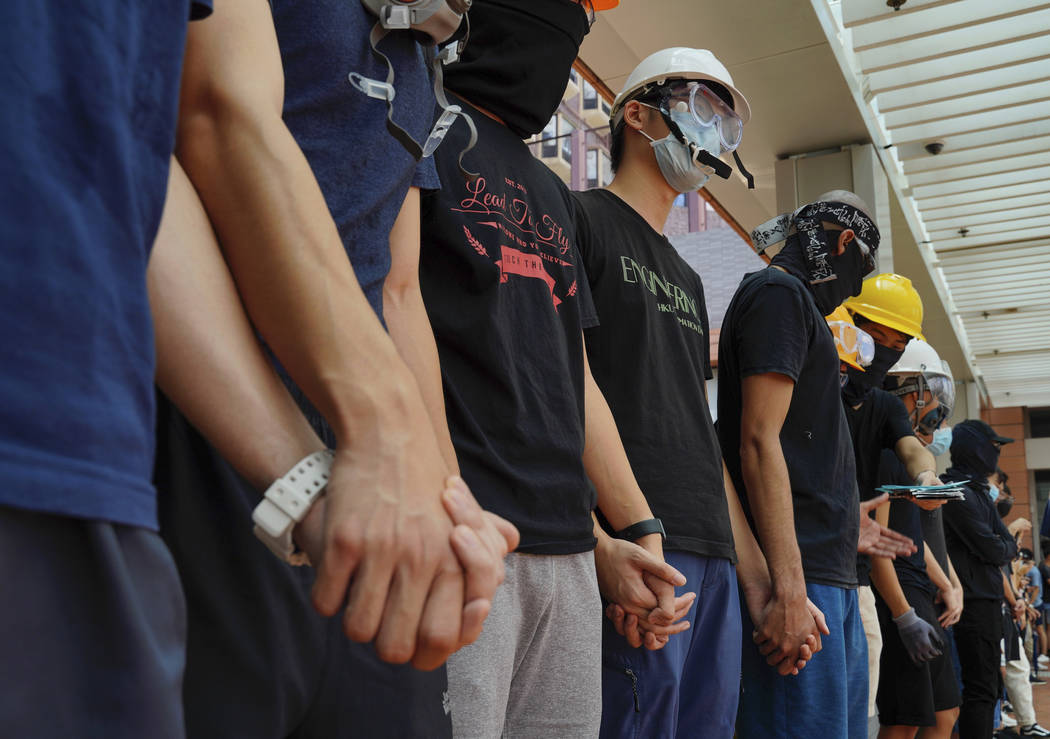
769, 496
290, 267
934, 571
407, 321
209, 362
751, 571
619, 498
917, 459
884, 576
952, 577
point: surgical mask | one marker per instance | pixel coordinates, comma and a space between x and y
993, 492
681, 173
942, 439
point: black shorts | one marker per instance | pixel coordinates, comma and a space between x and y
261, 662
910, 694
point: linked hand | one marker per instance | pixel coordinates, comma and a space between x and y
953, 606
787, 632
623, 568
639, 632
877, 540
386, 557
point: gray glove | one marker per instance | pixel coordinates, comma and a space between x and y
920, 638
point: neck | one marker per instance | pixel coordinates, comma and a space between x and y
645, 190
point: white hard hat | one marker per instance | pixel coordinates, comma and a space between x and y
920, 358
679, 62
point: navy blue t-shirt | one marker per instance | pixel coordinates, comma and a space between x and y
363, 172
88, 98
773, 325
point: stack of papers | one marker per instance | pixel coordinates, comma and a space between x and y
951, 491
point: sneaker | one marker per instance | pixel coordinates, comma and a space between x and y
1036, 680
1043, 659
1033, 730
1007, 720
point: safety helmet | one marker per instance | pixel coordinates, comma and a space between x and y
919, 369
604, 4
678, 62
891, 300
855, 347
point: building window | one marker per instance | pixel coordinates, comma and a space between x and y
1039, 420
549, 147
566, 140
574, 76
605, 171
590, 96
592, 168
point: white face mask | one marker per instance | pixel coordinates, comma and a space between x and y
942, 439
680, 172
993, 492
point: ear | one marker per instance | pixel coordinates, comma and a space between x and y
845, 237
634, 115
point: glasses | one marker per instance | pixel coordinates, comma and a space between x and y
868, 257
932, 420
706, 109
853, 340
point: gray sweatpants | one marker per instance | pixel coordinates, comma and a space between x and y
536, 669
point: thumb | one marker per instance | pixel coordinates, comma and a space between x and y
648, 562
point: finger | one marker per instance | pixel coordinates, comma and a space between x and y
474, 614
483, 569
343, 546
631, 631
656, 566
870, 505
460, 504
440, 618
818, 617
369, 592
659, 630
616, 615
506, 529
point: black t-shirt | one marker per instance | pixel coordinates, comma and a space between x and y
508, 300
905, 518
877, 424
773, 325
651, 356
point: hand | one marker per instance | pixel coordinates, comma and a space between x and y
643, 633
928, 478
920, 638
926, 504
783, 627
757, 599
481, 540
951, 598
628, 574
387, 548
1019, 526
877, 540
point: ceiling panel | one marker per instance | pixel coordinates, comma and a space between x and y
974, 76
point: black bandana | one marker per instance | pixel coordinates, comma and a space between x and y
517, 62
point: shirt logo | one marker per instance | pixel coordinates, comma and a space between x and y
679, 302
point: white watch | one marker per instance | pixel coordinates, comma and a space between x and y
287, 501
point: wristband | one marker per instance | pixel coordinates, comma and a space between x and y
643, 528
287, 501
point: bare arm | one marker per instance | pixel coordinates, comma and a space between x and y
620, 499
408, 323
765, 403
884, 577
385, 526
202, 333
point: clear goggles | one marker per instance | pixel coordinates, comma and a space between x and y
853, 341
706, 109
932, 419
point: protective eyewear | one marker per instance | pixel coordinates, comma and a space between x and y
706, 108
869, 259
853, 340
932, 420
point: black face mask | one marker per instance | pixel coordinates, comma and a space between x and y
849, 271
517, 61
1003, 506
860, 384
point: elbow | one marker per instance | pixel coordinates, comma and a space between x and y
213, 116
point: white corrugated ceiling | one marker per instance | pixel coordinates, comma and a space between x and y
974, 75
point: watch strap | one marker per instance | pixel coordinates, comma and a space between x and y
643, 528
287, 501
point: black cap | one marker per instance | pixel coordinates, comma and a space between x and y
985, 430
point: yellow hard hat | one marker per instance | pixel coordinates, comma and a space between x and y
891, 300
855, 347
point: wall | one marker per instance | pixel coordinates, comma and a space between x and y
1013, 461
